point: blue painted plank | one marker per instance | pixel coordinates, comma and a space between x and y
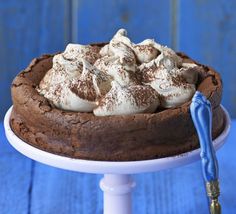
15, 179
60, 191
227, 166
28, 29
207, 32
96, 21
171, 191
162, 192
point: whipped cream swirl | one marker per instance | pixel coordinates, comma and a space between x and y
119, 78
122, 100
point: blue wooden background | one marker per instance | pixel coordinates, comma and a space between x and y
204, 29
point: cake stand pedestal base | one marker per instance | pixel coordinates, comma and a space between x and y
117, 183
117, 193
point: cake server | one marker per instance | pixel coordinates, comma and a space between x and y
201, 113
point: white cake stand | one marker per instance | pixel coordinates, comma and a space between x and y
116, 183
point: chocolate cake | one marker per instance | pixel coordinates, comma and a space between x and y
164, 131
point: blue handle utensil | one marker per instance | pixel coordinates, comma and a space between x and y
201, 113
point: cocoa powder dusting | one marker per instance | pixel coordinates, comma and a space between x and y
109, 101
143, 94
147, 49
147, 74
84, 90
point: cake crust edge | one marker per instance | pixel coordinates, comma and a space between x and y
108, 138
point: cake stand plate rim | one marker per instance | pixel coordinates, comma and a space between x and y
108, 167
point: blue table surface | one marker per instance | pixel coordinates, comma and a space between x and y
27, 186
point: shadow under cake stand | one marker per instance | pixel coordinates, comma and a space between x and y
117, 183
